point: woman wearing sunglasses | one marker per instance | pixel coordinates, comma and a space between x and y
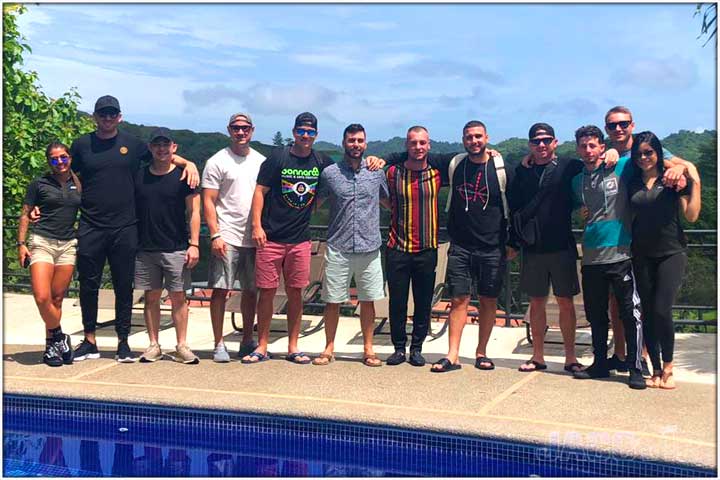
51, 255
659, 248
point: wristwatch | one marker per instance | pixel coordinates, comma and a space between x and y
20, 244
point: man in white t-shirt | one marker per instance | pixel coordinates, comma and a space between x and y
228, 183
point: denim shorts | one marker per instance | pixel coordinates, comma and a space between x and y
341, 267
478, 271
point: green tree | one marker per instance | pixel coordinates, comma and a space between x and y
709, 16
278, 139
31, 120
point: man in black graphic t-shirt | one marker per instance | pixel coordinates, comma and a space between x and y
282, 205
106, 161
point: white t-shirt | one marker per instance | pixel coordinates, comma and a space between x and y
234, 177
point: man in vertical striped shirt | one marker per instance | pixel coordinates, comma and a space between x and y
411, 254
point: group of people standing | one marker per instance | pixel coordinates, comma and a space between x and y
146, 219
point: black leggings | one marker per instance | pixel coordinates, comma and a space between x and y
659, 280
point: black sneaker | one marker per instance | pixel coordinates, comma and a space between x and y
416, 358
86, 350
636, 380
396, 358
593, 371
645, 369
614, 363
124, 354
52, 356
65, 348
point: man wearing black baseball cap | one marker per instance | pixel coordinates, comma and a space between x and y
541, 206
282, 204
106, 160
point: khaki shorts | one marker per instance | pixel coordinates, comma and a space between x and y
49, 250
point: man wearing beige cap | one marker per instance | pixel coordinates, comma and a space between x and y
228, 184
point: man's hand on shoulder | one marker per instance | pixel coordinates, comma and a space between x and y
190, 173
675, 177
375, 163
34, 214
610, 157
527, 161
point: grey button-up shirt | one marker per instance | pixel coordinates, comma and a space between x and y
354, 225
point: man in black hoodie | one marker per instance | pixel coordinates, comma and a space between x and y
541, 205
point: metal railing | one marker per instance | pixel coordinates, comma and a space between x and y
511, 301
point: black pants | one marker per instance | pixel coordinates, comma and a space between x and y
596, 282
118, 246
400, 269
659, 280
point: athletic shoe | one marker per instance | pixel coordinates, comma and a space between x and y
416, 359
65, 348
151, 353
636, 380
645, 369
124, 354
86, 350
396, 358
185, 355
614, 363
220, 355
52, 356
247, 348
593, 371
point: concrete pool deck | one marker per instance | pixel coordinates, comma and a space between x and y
548, 407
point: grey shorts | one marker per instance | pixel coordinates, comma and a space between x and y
540, 270
234, 272
156, 270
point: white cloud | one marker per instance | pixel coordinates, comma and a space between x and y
379, 26
351, 60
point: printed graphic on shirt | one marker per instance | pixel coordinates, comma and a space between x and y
611, 186
474, 192
299, 186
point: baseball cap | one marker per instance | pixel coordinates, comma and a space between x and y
306, 119
160, 132
241, 115
541, 127
107, 101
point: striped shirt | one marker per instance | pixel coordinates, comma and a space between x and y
414, 202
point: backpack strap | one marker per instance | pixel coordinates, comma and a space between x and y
451, 171
502, 180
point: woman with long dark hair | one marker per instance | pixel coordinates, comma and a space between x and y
659, 248
51, 251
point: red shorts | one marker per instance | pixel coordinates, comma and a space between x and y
293, 259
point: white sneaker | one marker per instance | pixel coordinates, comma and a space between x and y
152, 353
221, 354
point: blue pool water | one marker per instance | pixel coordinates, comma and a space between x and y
62, 437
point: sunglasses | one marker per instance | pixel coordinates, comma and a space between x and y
237, 128
613, 125
113, 115
545, 141
63, 159
304, 131
647, 153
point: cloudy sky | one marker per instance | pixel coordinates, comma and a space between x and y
387, 66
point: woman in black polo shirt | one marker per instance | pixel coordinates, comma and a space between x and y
659, 248
51, 255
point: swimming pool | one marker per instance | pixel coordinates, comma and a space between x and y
63, 437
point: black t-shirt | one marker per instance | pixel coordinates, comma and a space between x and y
554, 211
475, 186
160, 201
58, 206
107, 168
656, 228
293, 183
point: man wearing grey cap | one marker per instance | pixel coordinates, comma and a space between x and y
106, 160
228, 184
165, 252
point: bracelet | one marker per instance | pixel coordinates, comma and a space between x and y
213, 237
194, 245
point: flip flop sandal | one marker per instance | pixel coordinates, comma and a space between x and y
654, 381
537, 366
293, 357
446, 366
260, 358
573, 367
372, 361
323, 359
479, 363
